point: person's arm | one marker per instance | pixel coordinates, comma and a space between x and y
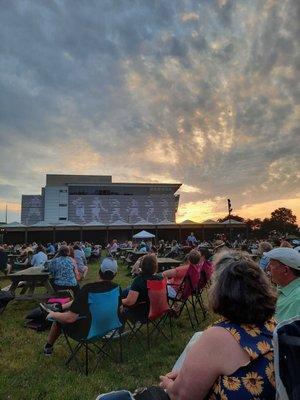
131, 298
65, 318
169, 273
215, 353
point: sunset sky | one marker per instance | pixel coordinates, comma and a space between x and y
202, 92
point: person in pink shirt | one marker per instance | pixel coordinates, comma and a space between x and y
175, 276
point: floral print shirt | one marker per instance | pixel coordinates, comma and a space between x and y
255, 381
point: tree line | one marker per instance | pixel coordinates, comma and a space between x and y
282, 220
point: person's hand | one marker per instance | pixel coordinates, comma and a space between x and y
172, 375
50, 315
167, 381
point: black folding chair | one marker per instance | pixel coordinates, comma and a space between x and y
184, 298
159, 312
287, 359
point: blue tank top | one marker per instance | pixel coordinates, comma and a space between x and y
256, 380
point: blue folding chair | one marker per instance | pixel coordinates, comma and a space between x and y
105, 324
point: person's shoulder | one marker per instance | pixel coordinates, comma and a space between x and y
217, 336
99, 286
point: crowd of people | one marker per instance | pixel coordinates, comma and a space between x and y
252, 285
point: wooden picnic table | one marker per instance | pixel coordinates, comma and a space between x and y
135, 255
167, 263
33, 278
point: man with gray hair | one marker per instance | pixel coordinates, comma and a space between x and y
284, 269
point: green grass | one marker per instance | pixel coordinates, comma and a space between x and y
26, 374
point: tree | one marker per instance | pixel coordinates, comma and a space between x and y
283, 220
254, 224
284, 216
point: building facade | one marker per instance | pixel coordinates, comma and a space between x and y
86, 199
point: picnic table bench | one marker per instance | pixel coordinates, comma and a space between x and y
33, 278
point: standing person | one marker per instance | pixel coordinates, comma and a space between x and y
80, 259
284, 268
40, 257
191, 240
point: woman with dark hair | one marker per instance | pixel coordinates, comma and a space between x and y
62, 272
233, 359
136, 303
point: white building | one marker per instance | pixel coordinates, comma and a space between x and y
83, 199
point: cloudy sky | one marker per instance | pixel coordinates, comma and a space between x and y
203, 92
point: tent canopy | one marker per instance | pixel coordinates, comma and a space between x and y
143, 235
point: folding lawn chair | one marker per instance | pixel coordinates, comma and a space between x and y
159, 311
187, 295
105, 324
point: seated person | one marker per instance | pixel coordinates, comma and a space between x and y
40, 257
207, 267
4, 266
112, 248
80, 260
176, 275
233, 359
143, 248
62, 270
87, 251
136, 303
26, 262
263, 247
79, 306
175, 250
50, 248
284, 268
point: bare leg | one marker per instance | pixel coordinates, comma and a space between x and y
66, 306
54, 333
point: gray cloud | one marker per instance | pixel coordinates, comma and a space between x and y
212, 85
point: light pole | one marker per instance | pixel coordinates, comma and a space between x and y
2, 231
229, 215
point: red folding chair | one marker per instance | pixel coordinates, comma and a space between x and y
159, 311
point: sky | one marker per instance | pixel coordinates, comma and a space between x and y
202, 92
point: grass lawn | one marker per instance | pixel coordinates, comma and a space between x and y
26, 374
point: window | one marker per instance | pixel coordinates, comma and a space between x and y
62, 205
63, 191
62, 218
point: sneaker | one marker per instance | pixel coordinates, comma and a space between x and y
48, 350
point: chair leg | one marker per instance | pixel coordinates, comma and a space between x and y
189, 314
86, 360
194, 309
171, 326
148, 336
121, 348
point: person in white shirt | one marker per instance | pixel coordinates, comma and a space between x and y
40, 257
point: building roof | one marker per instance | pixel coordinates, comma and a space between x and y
103, 180
61, 180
